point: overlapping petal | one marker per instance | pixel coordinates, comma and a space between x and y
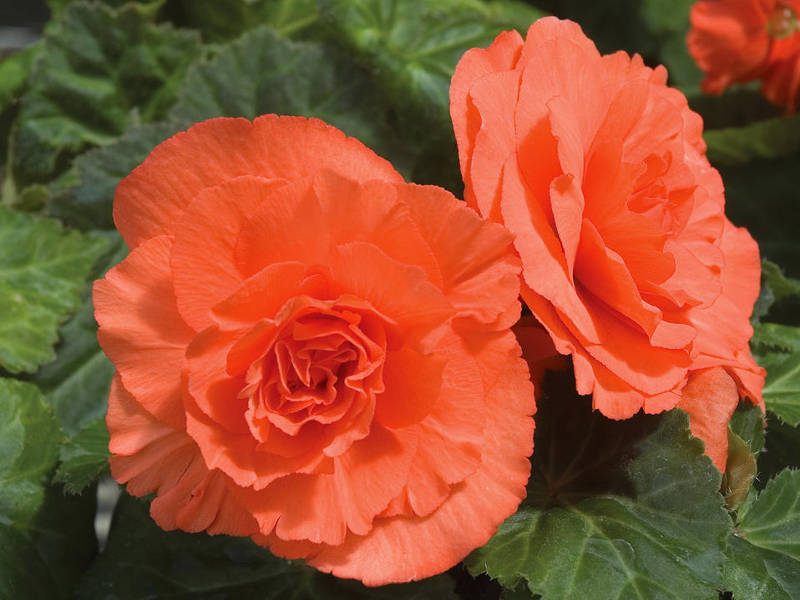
599, 170
314, 353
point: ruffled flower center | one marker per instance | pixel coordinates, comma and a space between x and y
783, 21
322, 364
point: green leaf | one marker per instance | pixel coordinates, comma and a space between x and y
615, 510
29, 439
76, 384
46, 558
84, 458
773, 138
782, 449
142, 561
100, 71
412, 47
14, 72
227, 19
782, 388
747, 422
264, 73
46, 540
775, 337
86, 200
42, 270
763, 195
668, 20
764, 554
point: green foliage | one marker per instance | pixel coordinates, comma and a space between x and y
42, 269
85, 199
227, 19
84, 458
764, 552
614, 510
773, 138
76, 384
412, 46
248, 78
100, 71
29, 439
142, 561
47, 557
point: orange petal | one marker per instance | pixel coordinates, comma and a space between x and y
413, 382
399, 549
479, 269
710, 398
203, 253
323, 508
141, 330
150, 200
152, 457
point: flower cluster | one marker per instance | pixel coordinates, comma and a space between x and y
744, 40
316, 354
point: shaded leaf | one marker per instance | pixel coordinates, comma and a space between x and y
772, 138
782, 388
763, 194
46, 558
86, 200
76, 384
226, 19
29, 439
142, 561
248, 78
100, 71
412, 47
42, 270
84, 458
625, 509
764, 554
782, 449
747, 423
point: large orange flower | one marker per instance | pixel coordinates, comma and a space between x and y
314, 353
742, 40
599, 170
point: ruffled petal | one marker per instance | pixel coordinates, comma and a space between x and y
141, 330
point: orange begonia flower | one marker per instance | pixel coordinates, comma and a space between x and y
743, 40
599, 170
314, 353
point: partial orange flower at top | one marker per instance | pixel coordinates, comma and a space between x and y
314, 353
599, 170
743, 40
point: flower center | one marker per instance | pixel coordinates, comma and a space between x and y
783, 21
323, 363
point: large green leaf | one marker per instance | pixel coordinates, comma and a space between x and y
76, 384
84, 458
772, 138
615, 510
782, 449
42, 271
47, 557
87, 199
264, 73
227, 19
764, 554
763, 195
100, 71
46, 540
29, 439
782, 388
142, 561
412, 47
